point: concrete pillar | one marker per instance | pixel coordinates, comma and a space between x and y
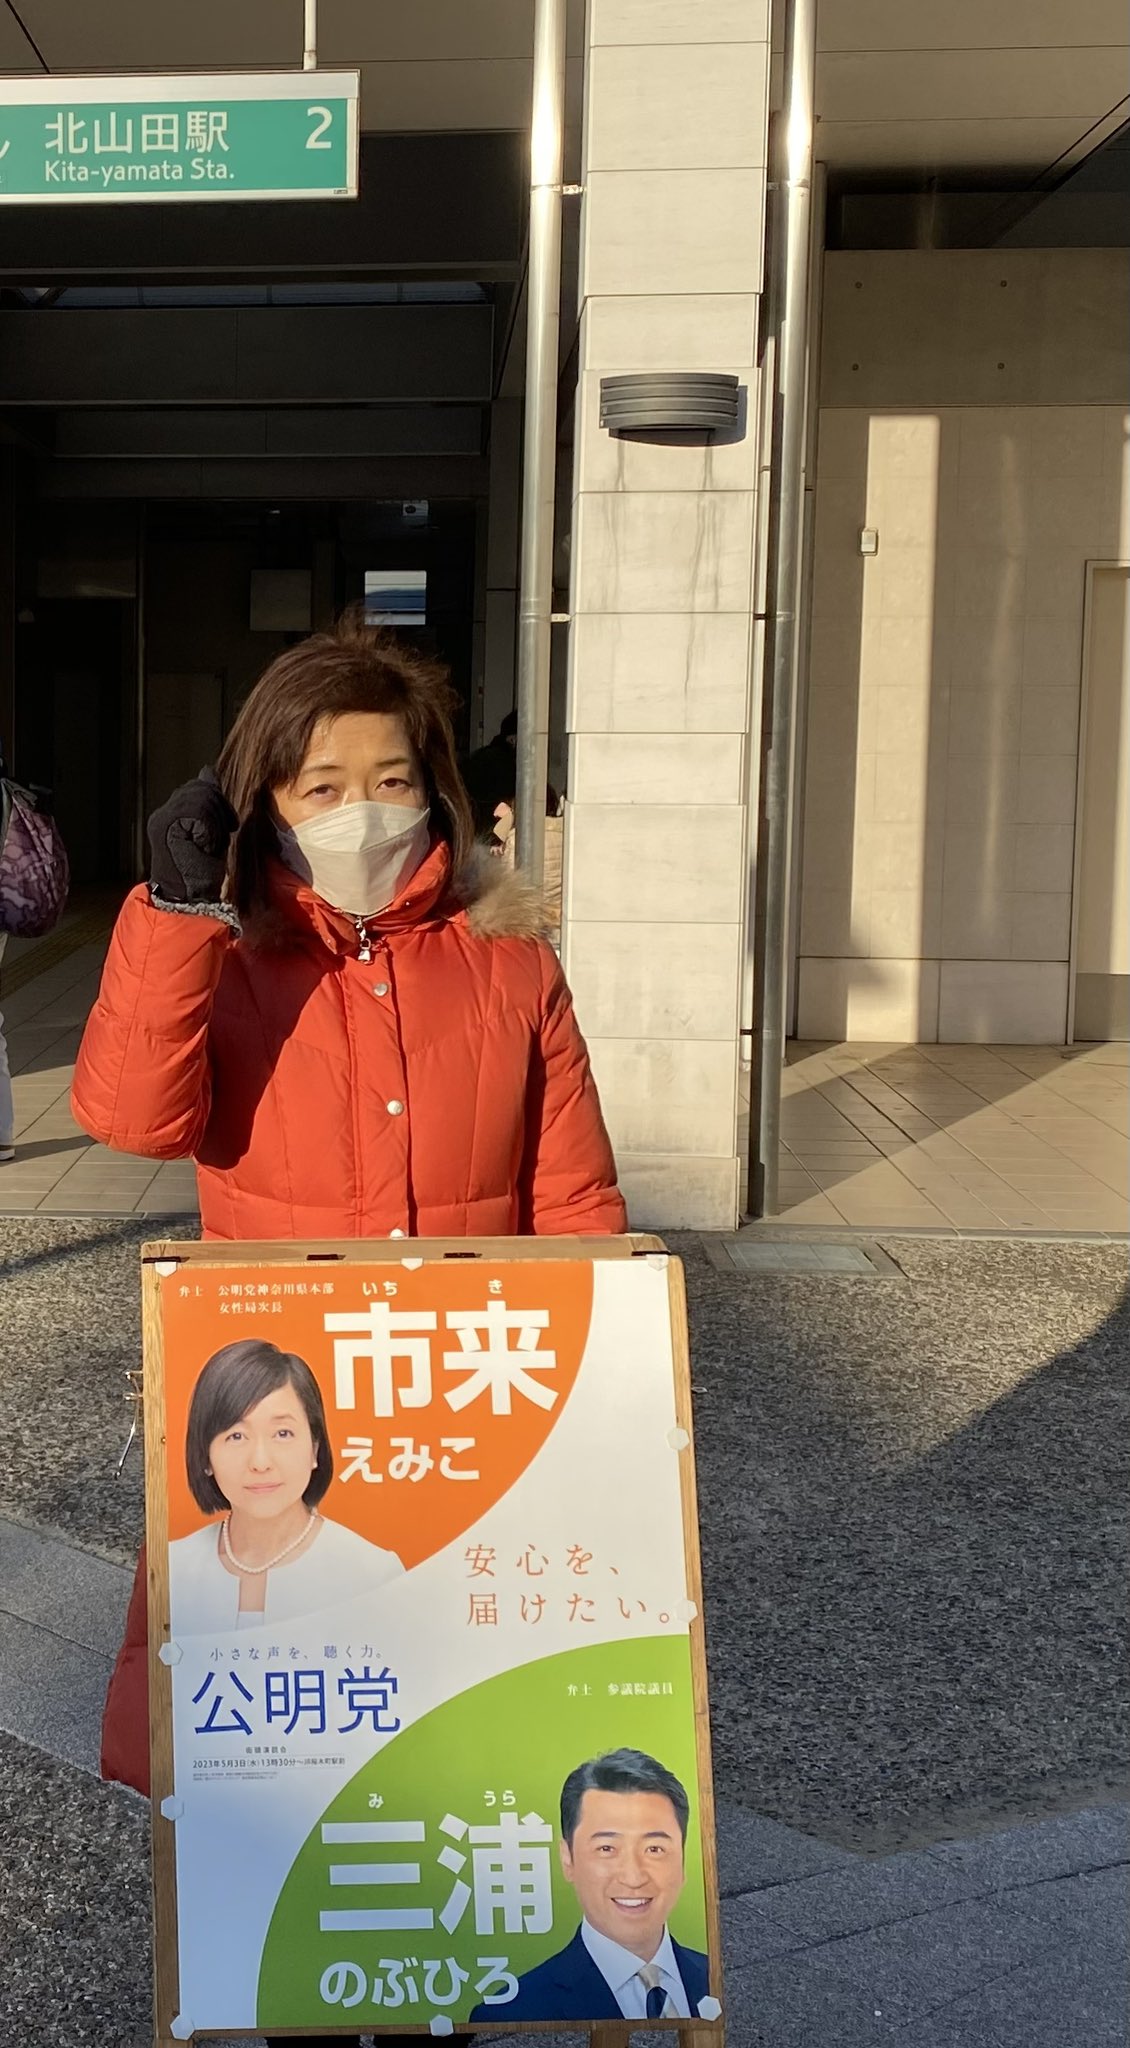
662, 564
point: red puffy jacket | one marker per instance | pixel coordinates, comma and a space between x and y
437, 1088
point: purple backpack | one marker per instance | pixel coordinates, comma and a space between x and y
34, 871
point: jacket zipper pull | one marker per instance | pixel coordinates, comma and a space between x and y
365, 949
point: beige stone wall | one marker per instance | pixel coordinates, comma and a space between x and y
662, 562
973, 414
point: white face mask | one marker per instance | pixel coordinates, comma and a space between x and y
358, 857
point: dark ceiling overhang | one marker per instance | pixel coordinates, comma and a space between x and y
249, 356
446, 206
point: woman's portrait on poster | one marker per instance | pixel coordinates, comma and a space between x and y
258, 1456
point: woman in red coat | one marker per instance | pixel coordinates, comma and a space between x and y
337, 1006
330, 999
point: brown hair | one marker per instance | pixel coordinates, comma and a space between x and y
233, 1382
354, 667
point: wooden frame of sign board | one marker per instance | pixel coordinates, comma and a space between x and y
696, 2033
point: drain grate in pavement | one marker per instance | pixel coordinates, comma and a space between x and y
856, 1261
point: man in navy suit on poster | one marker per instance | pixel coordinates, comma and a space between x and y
623, 1832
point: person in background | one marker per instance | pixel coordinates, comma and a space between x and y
34, 883
490, 776
7, 1106
504, 846
337, 1006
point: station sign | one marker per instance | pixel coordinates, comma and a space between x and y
229, 136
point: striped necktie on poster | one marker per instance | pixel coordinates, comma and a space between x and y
651, 1978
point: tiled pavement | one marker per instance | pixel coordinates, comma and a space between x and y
960, 1138
57, 1170
1009, 1939
912, 1517
1015, 1939
964, 1137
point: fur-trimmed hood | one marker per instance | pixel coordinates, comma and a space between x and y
498, 904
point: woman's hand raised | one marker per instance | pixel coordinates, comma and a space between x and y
189, 837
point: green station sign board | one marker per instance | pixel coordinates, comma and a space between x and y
267, 135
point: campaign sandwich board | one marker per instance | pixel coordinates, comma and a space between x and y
429, 1730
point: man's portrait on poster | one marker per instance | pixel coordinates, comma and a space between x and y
624, 1823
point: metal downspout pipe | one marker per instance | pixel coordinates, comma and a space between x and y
789, 313
808, 549
539, 454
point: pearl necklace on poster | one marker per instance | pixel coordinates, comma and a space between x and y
257, 1570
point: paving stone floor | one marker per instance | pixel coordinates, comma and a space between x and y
914, 1538
960, 1138
912, 1497
1018, 1941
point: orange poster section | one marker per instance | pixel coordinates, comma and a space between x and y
446, 1347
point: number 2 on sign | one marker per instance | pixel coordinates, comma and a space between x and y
324, 118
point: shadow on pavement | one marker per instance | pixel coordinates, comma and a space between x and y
902, 1630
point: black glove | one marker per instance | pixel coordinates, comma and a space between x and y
189, 837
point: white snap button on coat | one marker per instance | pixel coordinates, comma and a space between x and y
396, 1233
395, 1108
380, 988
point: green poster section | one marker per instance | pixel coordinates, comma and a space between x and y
498, 1752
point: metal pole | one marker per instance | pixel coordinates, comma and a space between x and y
309, 35
141, 731
791, 264
817, 227
539, 455
752, 962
